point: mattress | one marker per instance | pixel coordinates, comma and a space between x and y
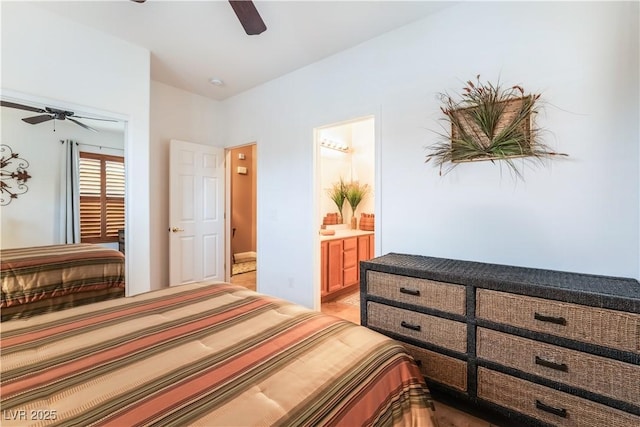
208, 354
39, 279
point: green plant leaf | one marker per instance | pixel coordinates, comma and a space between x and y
355, 192
338, 193
489, 122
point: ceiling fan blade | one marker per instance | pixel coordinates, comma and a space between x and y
21, 107
94, 118
249, 17
38, 119
82, 124
139, 1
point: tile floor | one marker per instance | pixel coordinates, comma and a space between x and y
248, 280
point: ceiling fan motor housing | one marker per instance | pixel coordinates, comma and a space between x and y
59, 114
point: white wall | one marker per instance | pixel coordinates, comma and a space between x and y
175, 114
33, 219
579, 214
46, 56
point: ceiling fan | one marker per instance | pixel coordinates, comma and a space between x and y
51, 114
247, 14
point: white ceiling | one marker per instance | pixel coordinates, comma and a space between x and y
193, 41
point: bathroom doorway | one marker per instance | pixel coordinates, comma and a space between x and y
242, 233
346, 164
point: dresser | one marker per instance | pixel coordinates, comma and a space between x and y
541, 347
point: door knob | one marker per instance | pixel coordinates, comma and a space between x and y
176, 229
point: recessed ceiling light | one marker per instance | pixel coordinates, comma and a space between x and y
216, 82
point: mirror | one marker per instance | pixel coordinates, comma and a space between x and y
34, 219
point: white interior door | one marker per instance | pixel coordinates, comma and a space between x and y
196, 213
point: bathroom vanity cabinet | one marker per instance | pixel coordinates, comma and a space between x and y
340, 261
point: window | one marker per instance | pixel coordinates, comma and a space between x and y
101, 197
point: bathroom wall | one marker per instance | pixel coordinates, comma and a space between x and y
355, 165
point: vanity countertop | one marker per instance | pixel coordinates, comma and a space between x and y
342, 234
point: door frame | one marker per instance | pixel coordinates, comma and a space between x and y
376, 114
227, 210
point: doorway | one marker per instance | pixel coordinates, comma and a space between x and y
346, 163
242, 174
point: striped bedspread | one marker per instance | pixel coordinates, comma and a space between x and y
46, 278
207, 354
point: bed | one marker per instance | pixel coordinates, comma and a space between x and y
208, 354
40, 279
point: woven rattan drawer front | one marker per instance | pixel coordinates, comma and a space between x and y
422, 292
548, 405
597, 374
440, 368
429, 329
608, 328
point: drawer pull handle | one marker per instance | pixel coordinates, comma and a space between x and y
557, 320
413, 292
410, 326
550, 409
547, 364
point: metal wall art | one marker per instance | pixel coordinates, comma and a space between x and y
13, 171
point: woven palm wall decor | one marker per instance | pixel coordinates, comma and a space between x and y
489, 122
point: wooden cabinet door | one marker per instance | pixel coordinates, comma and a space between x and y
365, 249
335, 265
324, 270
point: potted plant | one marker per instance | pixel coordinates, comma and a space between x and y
337, 193
354, 194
